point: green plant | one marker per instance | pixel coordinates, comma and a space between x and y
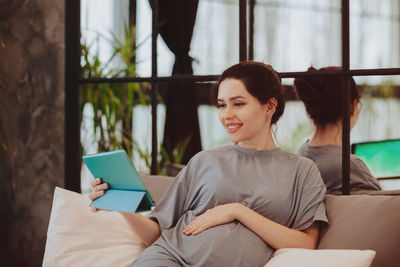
163, 157
385, 89
112, 103
177, 152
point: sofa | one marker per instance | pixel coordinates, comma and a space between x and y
363, 230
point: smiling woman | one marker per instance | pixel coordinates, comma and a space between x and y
245, 119
234, 205
248, 103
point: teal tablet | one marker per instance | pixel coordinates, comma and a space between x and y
126, 192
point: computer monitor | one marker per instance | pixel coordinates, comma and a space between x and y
381, 157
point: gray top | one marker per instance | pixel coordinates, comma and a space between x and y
281, 186
329, 161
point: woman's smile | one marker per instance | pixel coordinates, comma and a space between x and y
233, 127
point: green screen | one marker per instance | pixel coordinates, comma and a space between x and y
382, 158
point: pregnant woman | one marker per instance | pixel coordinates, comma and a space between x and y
234, 205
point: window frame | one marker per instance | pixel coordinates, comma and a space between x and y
73, 80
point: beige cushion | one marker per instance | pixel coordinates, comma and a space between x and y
364, 222
298, 257
78, 237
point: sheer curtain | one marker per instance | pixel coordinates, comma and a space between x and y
294, 34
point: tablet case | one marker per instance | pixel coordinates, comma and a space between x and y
127, 192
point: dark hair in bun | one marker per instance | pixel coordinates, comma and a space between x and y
260, 80
322, 96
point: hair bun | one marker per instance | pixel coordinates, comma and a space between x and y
307, 90
322, 95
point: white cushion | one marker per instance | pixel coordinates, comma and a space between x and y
289, 257
78, 237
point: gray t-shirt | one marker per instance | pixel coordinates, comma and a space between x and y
281, 186
329, 161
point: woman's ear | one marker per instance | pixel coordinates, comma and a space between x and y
271, 106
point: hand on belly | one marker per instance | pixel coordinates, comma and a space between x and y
216, 216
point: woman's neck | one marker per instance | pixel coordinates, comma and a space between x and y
266, 143
331, 134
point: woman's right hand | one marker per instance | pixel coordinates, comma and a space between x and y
147, 229
98, 189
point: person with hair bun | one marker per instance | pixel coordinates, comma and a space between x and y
322, 98
234, 205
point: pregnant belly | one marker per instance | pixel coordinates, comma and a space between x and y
229, 244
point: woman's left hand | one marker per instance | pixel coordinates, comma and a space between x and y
216, 216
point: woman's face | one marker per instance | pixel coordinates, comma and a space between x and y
244, 118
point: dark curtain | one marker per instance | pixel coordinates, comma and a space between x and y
176, 22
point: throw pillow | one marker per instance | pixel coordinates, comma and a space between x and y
78, 237
289, 257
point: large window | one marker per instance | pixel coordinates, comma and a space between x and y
291, 35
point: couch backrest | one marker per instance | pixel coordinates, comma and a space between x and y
156, 184
364, 222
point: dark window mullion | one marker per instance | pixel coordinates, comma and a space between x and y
251, 29
178, 77
154, 91
346, 98
72, 146
242, 30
